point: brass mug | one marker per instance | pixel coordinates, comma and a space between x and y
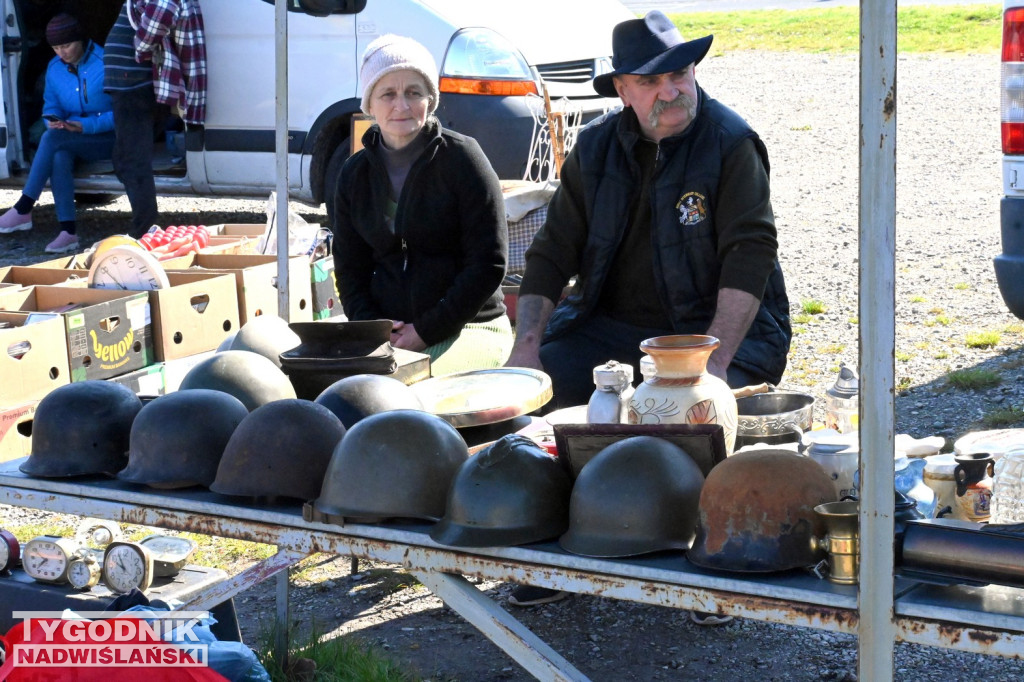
841, 541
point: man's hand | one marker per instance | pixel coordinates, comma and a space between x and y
533, 313
404, 336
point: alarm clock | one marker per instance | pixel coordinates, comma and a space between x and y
46, 558
127, 565
10, 550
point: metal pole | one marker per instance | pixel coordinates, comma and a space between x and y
281, 151
877, 300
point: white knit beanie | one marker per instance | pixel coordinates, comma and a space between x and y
393, 53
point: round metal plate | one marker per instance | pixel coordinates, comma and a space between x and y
484, 396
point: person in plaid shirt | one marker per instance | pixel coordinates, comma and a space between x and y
155, 58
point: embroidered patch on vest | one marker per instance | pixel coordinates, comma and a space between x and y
692, 209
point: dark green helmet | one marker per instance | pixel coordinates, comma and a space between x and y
248, 376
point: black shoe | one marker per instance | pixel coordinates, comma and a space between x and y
531, 595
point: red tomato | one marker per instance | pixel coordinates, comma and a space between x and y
190, 228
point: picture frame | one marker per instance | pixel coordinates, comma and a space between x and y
577, 444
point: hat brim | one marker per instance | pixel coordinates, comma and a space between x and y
673, 59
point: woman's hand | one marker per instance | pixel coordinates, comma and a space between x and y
404, 336
70, 126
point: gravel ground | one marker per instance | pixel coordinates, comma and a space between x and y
806, 109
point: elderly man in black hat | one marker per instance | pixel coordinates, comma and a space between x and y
664, 217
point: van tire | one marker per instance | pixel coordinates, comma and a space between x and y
331, 176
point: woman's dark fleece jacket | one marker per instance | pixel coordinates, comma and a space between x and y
443, 265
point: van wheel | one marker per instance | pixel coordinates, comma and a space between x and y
331, 176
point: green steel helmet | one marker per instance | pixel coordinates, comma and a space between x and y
757, 512
512, 492
361, 395
396, 464
638, 495
177, 439
280, 449
248, 376
267, 335
82, 428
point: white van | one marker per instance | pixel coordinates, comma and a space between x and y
489, 54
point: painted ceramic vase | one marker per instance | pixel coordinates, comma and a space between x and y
681, 391
973, 475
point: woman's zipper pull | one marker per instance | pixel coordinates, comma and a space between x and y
405, 255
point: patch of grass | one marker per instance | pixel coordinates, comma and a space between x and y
941, 355
26, 532
983, 339
853, 320
1004, 417
973, 379
801, 318
936, 311
961, 286
948, 28
917, 298
339, 659
904, 356
832, 349
903, 384
812, 306
1014, 328
944, 320
799, 329
225, 552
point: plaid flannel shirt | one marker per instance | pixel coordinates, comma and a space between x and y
170, 34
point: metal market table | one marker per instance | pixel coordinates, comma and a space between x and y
987, 620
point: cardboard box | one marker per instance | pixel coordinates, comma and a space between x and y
109, 331
176, 369
75, 261
148, 381
194, 314
256, 282
237, 229
325, 290
16, 430
27, 276
236, 245
35, 354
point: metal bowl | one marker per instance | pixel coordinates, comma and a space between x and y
773, 418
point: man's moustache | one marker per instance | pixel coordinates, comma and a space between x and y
683, 101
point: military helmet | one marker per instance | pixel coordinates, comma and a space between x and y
248, 376
82, 428
280, 449
177, 439
392, 464
638, 495
757, 512
361, 395
510, 493
267, 335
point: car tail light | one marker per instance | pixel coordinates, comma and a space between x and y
1011, 105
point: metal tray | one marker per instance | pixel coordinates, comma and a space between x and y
484, 396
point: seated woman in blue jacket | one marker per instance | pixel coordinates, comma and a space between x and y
419, 221
80, 123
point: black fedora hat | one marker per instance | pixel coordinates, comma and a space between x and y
651, 45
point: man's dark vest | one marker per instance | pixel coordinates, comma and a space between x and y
684, 197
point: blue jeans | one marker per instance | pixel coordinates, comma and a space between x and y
571, 358
135, 112
55, 161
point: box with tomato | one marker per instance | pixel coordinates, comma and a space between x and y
175, 241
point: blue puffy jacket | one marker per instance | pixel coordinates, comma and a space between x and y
77, 94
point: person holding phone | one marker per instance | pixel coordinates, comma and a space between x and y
80, 125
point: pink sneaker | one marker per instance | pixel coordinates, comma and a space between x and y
12, 221
63, 243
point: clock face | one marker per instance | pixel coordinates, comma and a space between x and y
10, 550
45, 559
83, 573
127, 565
127, 267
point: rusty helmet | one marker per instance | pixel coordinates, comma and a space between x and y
361, 395
396, 464
177, 439
512, 492
82, 428
248, 376
638, 495
757, 512
267, 335
280, 449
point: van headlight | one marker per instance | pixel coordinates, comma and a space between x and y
482, 62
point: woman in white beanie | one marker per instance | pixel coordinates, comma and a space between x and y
419, 221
